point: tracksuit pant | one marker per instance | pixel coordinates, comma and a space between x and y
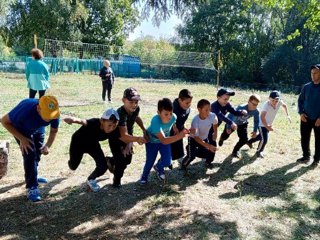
305, 131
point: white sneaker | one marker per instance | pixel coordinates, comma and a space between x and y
93, 185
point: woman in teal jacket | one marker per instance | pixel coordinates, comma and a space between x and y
37, 74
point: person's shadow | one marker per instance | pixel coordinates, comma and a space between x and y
129, 212
229, 167
268, 185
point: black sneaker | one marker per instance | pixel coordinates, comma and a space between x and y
249, 145
303, 160
209, 165
314, 164
116, 184
220, 142
259, 154
236, 154
170, 167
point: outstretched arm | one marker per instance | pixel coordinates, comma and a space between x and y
71, 120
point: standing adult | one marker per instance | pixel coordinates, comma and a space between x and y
107, 78
37, 74
309, 110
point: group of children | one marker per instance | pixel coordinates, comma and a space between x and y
164, 135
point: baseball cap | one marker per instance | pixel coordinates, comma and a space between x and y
108, 113
49, 107
223, 91
274, 95
317, 66
131, 94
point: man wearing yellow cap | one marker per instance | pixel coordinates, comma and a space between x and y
27, 122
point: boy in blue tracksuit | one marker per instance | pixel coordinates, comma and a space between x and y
221, 107
242, 123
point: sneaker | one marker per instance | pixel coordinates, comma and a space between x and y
93, 185
110, 166
116, 185
170, 167
42, 180
303, 160
143, 181
249, 145
259, 154
220, 143
209, 165
314, 164
236, 154
33, 194
161, 176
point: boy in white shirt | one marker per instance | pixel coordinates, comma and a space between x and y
199, 143
267, 116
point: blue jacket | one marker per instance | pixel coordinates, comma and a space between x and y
309, 101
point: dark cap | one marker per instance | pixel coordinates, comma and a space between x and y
317, 66
223, 91
274, 95
131, 94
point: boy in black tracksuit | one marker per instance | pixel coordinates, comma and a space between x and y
181, 107
107, 78
122, 148
86, 140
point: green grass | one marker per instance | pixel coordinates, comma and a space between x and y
270, 198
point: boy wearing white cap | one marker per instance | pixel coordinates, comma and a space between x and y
86, 140
27, 122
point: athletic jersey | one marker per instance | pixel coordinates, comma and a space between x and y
202, 126
26, 119
271, 112
127, 119
157, 126
91, 134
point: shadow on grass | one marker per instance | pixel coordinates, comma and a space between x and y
229, 167
307, 218
130, 212
268, 185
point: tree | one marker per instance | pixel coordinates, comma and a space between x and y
94, 21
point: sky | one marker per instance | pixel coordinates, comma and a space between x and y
165, 30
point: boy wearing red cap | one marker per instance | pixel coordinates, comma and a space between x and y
27, 122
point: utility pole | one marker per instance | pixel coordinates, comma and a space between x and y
35, 41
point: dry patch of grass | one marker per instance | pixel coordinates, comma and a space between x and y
270, 198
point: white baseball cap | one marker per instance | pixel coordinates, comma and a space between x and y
108, 113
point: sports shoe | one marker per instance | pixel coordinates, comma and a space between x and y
236, 154
314, 164
170, 167
161, 176
249, 145
303, 160
42, 180
259, 154
110, 166
143, 181
220, 142
209, 165
33, 194
93, 185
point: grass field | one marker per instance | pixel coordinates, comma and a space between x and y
270, 198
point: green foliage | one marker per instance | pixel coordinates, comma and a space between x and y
107, 22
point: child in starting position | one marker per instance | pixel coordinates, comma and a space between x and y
201, 144
86, 140
267, 115
160, 140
